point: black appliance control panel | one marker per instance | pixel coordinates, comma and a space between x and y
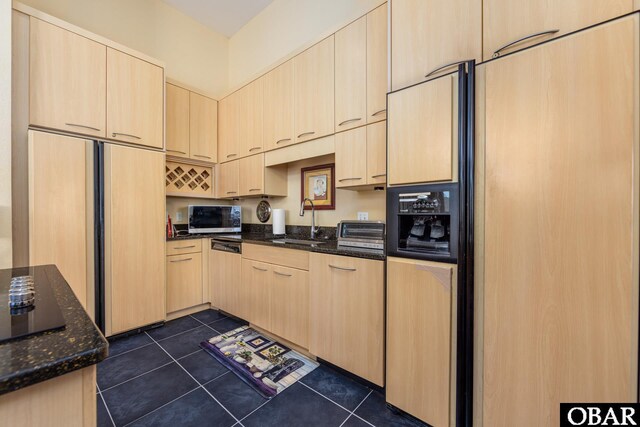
427, 202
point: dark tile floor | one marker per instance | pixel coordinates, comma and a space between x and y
163, 378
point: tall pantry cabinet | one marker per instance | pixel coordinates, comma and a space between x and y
557, 226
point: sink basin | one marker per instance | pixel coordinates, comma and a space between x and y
298, 242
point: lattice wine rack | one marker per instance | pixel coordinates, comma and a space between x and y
191, 180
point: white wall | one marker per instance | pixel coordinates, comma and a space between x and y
193, 54
5, 134
284, 27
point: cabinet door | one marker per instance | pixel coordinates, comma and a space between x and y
377, 153
423, 132
314, 91
250, 119
134, 244
203, 125
228, 145
67, 80
59, 169
135, 100
278, 107
256, 285
351, 159
557, 291
351, 75
419, 338
252, 175
225, 275
184, 281
177, 121
428, 34
290, 304
506, 21
228, 175
377, 68
346, 312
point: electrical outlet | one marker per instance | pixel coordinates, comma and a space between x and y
363, 216
178, 216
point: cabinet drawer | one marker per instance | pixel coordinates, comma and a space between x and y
184, 247
285, 257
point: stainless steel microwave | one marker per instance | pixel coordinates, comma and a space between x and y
215, 219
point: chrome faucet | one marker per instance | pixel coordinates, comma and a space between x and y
313, 215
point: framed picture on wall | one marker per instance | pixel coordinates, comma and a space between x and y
318, 184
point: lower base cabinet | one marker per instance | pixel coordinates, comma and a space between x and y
256, 284
420, 345
225, 271
346, 313
184, 281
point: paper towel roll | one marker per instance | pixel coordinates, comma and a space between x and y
278, 221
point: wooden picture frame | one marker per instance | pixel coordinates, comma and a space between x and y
324, 178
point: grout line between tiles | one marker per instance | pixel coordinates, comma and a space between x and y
197, 382
212, 380
337, 404
104, 402
159, 407
353, 413
137, 376
249, 414
129, 351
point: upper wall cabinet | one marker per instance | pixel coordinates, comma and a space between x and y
377, 69
135, 100
351, 75
278, 107
203, 128
508, 26
67, 79
314, 91
228, 146
249, 119
177, 121
428, 36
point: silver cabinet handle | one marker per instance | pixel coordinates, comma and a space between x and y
445, 66
231, 155
349, 179
178, 151
114, 134
181, 260
380, 175
185, 247
82, 126
384, 110
349, 121
255, 189
200, 155
282, 274
259, 269
305, 133
341, 268
254, 148
520, 40
283, 140
231, 192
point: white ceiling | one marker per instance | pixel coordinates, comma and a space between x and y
223, 16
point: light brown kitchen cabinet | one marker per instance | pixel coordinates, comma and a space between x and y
228, 130
135, 100
278, 107
506, 22
556, 292
361, 157
203, 128
314, 91
429, 34
256, 280
419, 338
346, 312
377, 69
134, 244
290, 304
67, 80
177, 116
225, 280
249, 120
351, 75
228, 179
256, 179
184, 281
422, 132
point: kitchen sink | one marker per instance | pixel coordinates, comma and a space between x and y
298, 242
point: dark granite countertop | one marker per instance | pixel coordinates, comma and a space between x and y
261, 235
47, 355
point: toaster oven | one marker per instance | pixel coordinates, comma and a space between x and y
361, 234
